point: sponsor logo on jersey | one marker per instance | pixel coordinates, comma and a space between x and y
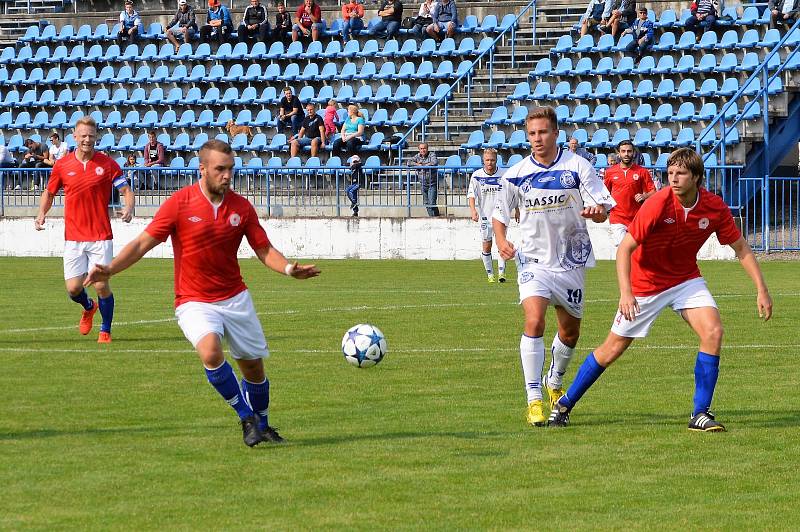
546, 179
195, 219
567, 179
669, 221
70, 174
234, 219
703, 223
546, 201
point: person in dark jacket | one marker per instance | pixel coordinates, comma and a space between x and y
255, 24
185, 24
704, 16
219, 24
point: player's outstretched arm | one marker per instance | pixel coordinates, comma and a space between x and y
748, 261
275, 261
628, 305
45, 203
129, 255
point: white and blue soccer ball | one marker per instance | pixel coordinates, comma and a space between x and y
363, 345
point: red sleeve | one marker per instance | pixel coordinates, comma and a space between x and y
317, 12
299, 12
256, 236
727, 232
607, 180
164, 221
55, 182
649, 186
646, 219
113, 169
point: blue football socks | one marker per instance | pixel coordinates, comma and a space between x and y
706, 371
106, 311
257, 395
224, 381
83, 300
588, 373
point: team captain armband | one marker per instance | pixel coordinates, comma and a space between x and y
120, 182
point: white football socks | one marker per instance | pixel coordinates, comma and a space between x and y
487, 263
531, 352
562, 354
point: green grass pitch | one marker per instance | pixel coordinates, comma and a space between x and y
131, 436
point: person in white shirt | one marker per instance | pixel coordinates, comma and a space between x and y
56, 151
6, 159
556, 191
483, 187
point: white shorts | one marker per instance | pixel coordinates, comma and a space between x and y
487, 231
234, 319
618, 232
79, 257
563, 289
689, 294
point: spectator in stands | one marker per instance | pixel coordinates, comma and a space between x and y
57, 150
283, 25
783, 12
356, 178
704, 16
391, 13
623, 14
312, 133
330, 118
597, 12
154, 155
290, 112
643, 34
6, 159
255, 24
184, 23
131, 175
130, 25
427, 177
445, 20
353, 17
219, 25
308, 21
35, 156
424, 18
574, 147
352, 134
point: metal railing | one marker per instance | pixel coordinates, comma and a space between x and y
443, 100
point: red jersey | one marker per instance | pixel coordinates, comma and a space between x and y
669, 239
624, 184
205, 240
87, 191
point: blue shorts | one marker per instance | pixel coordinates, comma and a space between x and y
306, 141
442, 25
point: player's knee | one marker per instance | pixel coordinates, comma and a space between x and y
713, 334
534, 325
569, 337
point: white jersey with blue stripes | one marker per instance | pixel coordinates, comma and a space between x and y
484, 188
550, 200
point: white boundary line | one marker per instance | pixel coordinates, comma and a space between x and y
290, 312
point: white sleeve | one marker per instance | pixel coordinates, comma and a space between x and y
506, 201
122, 17
472, 184
592, 189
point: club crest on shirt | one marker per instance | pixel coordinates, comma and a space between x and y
567, 180
635, 177
234, 219
703, 223
575, 248
524, 277
99, 170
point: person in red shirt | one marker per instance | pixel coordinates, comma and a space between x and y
87, 178
629, 184
657, 268
308, 21
207, 222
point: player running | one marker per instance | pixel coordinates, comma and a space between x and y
556, 191
483, 187
630, 185
657, 268
207, 222
87, 177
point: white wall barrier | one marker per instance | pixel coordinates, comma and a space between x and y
325, 238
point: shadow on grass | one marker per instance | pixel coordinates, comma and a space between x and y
410, 435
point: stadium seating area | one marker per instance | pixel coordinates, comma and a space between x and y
602, 95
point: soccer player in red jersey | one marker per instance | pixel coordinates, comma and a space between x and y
87, 177
207, 222
629, 184
657, 268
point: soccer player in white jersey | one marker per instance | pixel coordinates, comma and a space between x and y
483, 187
556, 191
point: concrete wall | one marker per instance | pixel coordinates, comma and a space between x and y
331, 238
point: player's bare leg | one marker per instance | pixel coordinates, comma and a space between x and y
707, 324
220, 375
531, 351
